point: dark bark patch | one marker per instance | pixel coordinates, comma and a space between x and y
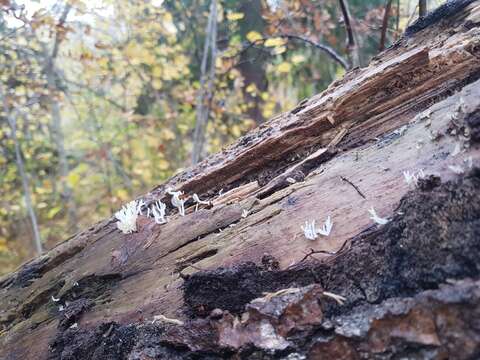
443, 12
73, 311
473, 122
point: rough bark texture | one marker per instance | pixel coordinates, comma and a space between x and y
222, 285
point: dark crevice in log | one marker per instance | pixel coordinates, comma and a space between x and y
184, 263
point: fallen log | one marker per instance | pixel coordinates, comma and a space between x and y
238, 278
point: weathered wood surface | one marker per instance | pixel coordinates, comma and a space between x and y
406, 111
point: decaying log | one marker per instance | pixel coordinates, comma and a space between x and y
238, 278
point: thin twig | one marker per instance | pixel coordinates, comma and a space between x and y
325, 48
354, 186
351, 43
313, 252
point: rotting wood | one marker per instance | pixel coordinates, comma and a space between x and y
124, 281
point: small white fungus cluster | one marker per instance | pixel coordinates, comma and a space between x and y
127, 216
176, 201
377, 219
311, 232
412, 178
158, 211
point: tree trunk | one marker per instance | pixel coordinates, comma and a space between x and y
207, 83
12, 121
407, 288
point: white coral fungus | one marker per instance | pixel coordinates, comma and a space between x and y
326, 228
376, 218
412, 178
457, 169
177, 202
469, 162
311, 232
127, 216
158, 211
199, 202
245, 213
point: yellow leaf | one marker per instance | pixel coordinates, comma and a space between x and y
297, 59
236, 131
163, 164
73, 179
53, 211
251, 88
42, 205
157, 84
122, 194
253, 36
284, 67
3, 248
234, 16
157, 71
103, 62
275, 42
279, 50
167, 134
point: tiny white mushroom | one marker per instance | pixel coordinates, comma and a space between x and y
158, 211
177, 202
376, 218
309, 230
457, 149
245, 213
410, 178
198, 202
457, 169
469, 162
127, 216
326, 228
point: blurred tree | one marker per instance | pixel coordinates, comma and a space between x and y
110, 97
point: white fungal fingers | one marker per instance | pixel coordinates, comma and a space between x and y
309, 230
127, 216
158, 211
377, 219
198, 202
412, 178
457, 169
177, 202
326, 228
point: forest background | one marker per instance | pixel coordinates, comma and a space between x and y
100, 100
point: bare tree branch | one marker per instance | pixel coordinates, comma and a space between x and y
386, 16
351, 43
325, 48
322, 47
